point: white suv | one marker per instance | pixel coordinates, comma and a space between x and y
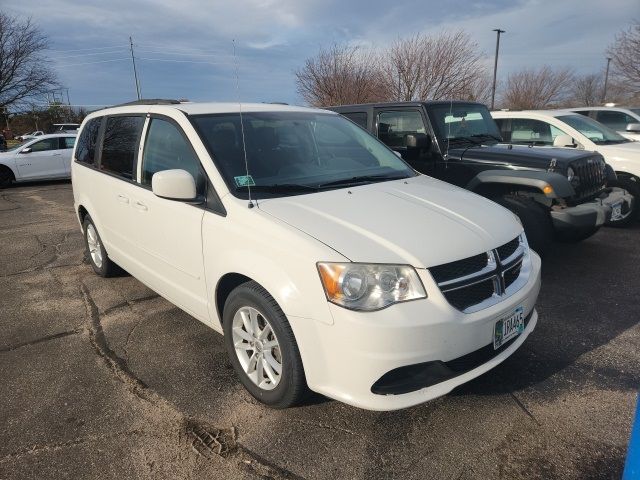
625, 121
323, 258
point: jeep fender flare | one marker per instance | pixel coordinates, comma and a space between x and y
560, 186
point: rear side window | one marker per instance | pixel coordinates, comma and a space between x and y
359, 118
166, 149
67, 142
120, 145
86, 151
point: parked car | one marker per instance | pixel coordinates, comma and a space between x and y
563, 128
29, 136
625, 121
45, 157
64, 127
324, 259
458, 142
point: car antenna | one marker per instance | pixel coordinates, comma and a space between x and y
244, 146
446, 154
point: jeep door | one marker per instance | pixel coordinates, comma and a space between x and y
169, 232
41, 159
395, 126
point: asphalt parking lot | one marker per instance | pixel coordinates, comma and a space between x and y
101, 378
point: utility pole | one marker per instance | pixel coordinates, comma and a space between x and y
135, 73
495, 67
606, 80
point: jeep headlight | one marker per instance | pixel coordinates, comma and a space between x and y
367, 287
574, 180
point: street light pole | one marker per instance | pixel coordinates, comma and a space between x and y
495, 67
606, 80
135, 73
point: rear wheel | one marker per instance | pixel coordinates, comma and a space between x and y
631, 185
262, 348
6, 177
96, 253
535, 219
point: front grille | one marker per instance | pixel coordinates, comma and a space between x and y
508, 249
593, 177
477, 282
459, 268
466, 297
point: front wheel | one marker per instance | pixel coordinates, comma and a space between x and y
631, 185
536, 221
6, 177
262, 348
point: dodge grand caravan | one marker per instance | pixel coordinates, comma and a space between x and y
325, 260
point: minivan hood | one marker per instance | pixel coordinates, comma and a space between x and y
418, 221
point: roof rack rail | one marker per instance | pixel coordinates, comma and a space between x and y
150, 101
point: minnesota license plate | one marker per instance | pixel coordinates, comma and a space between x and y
507, 328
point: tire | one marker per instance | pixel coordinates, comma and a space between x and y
251, 301
97, 255
631, 185
536, 221
6, 177
577, 235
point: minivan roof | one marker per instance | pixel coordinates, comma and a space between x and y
404, 104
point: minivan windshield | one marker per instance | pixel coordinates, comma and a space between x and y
457, 124
594, 131
290, 153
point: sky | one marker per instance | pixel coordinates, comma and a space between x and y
184, 48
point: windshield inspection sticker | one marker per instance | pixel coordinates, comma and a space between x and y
244, 181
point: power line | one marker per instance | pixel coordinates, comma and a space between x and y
88, 54
87, 49
92, 63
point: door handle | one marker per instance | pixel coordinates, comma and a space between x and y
141, 206
123, 199
57, 154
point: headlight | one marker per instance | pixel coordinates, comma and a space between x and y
574, 180
359, 286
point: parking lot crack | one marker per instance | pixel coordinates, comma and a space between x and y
47, 338
524, 408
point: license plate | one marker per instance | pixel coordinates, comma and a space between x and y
507, 328
616, 211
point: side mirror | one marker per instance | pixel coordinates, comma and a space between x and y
563, 141
417, 140
633, 127
26, 150
174, 185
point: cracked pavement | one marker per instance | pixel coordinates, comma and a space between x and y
102, 378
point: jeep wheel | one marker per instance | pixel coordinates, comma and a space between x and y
631, 185
536, 221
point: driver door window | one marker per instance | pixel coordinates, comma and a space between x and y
614, 120
533, 132
393, 127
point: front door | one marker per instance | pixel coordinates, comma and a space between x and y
392, 128
41, 159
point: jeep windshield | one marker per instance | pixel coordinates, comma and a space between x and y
594, 131
459, 124
293, 153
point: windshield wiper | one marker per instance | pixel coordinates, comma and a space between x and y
361, 179
278, 188
487, 135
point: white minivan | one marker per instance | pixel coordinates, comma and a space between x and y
325, 260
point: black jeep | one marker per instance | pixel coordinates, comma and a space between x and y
557, 193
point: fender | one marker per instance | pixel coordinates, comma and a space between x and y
530, 178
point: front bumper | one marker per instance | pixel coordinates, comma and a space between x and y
351, 355
591, 214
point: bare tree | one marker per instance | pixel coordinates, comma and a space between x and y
537, 88
24, 72
625, 57
340, 75
447, 65
586, 90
